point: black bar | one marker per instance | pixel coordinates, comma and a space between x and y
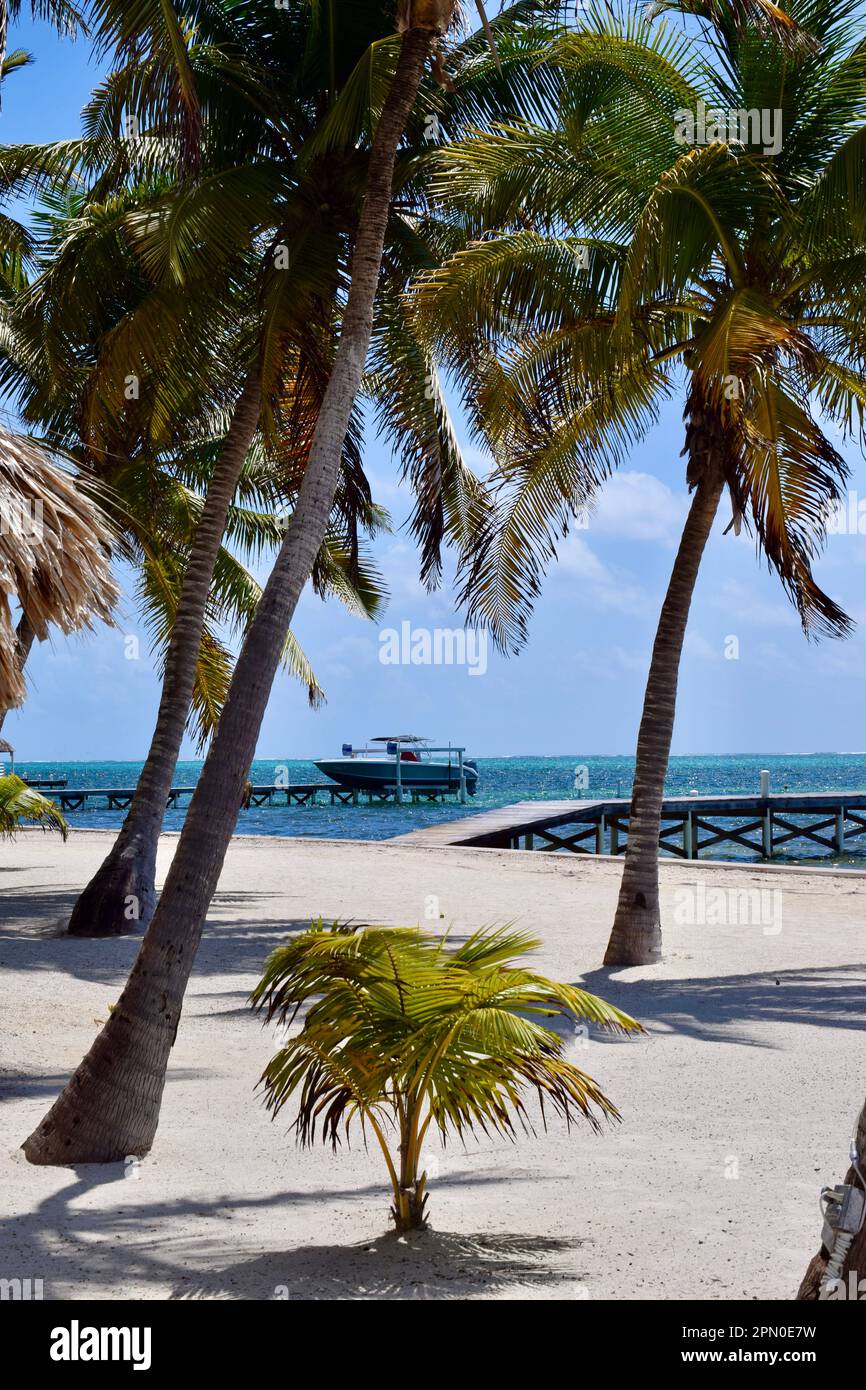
630, 1342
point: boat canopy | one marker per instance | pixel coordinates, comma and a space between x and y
399, 738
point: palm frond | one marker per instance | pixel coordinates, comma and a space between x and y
401, 1031
21, 805
55, 552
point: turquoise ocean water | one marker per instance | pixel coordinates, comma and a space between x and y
501, 781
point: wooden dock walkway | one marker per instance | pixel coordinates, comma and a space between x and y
834, 821
690, 824
296, 794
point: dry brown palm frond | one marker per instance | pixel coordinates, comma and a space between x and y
55, 553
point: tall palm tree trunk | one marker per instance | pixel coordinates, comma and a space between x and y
636, 935
110, 1107
120, 896
25, 636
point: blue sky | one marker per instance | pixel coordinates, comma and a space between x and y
578, 685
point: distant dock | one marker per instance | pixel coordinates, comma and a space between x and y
690, 825
296, 794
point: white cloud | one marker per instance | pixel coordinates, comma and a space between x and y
611, 663
343, 659
578, 558
743, 604
769, 656
609, 587
637, 506
384, 487
698, 647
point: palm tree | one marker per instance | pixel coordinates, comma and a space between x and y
262, 182
21, 805
127, 876
375, 1050
111, 1106
55, 552
628, 267
155, 497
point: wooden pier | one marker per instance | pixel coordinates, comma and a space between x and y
296, 794
691, 824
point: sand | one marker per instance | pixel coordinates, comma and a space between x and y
736, 1106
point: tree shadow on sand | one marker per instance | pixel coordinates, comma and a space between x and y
720, 1008
33, 937
186, 1248
440, 1265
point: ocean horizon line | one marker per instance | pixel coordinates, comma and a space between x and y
497, 757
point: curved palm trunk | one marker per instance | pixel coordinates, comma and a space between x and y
636, 935
120, 896
110, 1108
854, 1267
25, 636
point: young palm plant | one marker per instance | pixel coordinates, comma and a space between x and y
403, 1033
629, 265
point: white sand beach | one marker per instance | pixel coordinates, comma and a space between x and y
736, 1106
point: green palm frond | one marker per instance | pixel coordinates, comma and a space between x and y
14, 62
350, 576
355, 112
407, 388
736, 21
127, 27
204, 225
835, 206
21, 805
558, 459
793, 479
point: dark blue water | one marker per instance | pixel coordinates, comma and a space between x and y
501, 781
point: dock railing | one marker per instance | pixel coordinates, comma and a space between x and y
690, 826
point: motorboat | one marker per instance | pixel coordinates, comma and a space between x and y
402, 761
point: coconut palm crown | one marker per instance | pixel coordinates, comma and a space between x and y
693, 224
